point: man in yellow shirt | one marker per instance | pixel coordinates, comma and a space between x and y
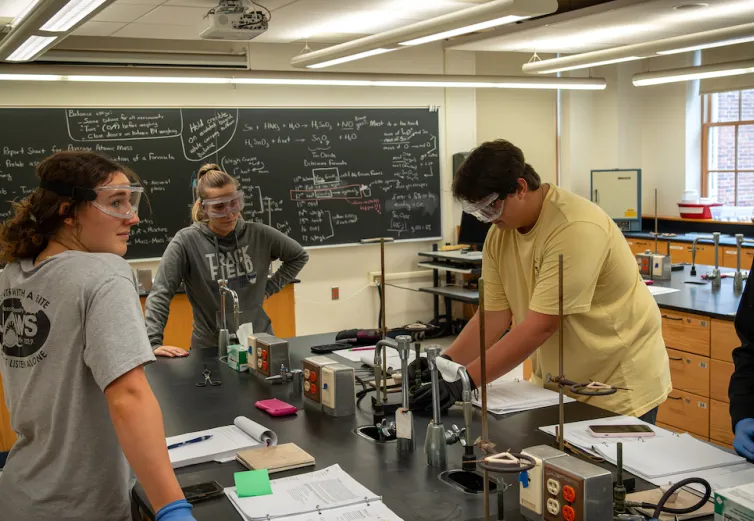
612, 327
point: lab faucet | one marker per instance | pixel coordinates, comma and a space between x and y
738, 280
715, 275
404, 350
435, 444
468, 446
223, 337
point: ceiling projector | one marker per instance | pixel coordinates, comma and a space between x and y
230, 20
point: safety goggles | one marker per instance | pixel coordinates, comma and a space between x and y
222, 206
484, 209
121, 201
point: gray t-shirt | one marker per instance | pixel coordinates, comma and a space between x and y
68, 328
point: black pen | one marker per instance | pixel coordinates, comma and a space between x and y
195, 440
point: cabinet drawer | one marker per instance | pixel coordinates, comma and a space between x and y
681, 431
720, 423
720, 373
724, 340
686, 411
686, 332
641, 245
729, 257
690, 373
679, 252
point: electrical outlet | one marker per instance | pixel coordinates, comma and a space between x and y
553, 487
553, 506
335, 292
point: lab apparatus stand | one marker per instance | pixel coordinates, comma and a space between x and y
223, 337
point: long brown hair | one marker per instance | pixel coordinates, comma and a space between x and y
209, 176
40, 215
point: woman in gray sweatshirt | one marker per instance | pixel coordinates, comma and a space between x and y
220, 245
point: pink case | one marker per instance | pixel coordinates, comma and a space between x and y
275, 407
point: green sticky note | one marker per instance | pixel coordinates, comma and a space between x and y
253, 483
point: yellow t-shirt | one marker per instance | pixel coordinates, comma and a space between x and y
612, 328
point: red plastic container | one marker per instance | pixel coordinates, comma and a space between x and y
697, 210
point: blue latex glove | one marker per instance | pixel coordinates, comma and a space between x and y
176, 511
744, 442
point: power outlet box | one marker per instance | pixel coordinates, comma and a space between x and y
577, 491
532, 497
272, 354
313, 376
338, 390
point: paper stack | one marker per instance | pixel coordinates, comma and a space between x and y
507, 396
223, 445
366, 357
325, 495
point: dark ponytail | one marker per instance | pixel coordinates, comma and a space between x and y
39, 216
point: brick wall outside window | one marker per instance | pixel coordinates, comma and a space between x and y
729, 161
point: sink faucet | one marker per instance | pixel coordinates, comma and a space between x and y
435, 442
693, 251
738, 280
716, 280
223, 338
404, 350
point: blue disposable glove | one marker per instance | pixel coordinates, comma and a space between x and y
176, 511
744, 442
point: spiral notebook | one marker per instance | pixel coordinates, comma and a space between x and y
329, 494
505, 396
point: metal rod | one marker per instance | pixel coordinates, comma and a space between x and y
561, 370
483, 385
657, 229
384, 317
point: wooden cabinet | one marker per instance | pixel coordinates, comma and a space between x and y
7, 436
679, 252
683, 252
729, 257
642, 245
686, 332
720, 373
681, 431
689, 372
281, 308
686, 411
724, 340
721, 430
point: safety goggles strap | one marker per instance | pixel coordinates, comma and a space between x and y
74, 192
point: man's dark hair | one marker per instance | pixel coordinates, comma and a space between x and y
493, 167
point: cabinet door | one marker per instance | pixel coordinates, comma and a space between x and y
724, 340
689, 372
640, 245
686, 332
730, 257
679, 252
7, 436
720, 375
617, 193
686, 411
721, 429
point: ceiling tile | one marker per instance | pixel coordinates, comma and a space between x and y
207, 4
122, 13
98, 28
167, 32
166, 15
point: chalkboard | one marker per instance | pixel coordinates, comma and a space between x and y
322, 176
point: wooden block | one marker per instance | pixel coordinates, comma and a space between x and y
686, 332
689, 372
686, 411
721, 429
720, 373
724, 340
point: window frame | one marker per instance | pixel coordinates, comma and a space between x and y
707, 126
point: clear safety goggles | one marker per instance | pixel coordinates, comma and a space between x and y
121, 201
222, 206
484, 209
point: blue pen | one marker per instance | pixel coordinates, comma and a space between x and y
195, 440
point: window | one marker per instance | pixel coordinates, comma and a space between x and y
728, 147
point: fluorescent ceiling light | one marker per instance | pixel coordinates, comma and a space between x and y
30, 48
489, 14
189, 76
687, 42
694, 73
464, 30
71, 14
23, 14
709, 45
595, 64
344, 59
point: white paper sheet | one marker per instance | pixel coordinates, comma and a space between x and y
223, 445
668, 456
372, 512
577, 433
366, 357
657, 290
506, 396
304, 494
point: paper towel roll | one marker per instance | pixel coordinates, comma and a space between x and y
258, 432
